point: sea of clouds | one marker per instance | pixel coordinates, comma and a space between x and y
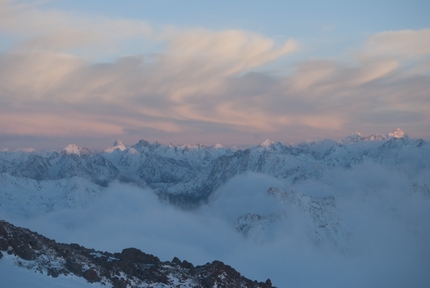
385, 213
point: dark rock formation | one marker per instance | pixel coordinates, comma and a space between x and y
130, 268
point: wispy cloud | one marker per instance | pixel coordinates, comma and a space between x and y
201, 85
404, 43
59, 31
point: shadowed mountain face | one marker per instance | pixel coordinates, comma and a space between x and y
130, 268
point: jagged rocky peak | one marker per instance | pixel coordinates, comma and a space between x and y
375, 137
397, 133
266, 143
352, 138
75, 149
117, 145
130, 268
269, 145
142, 143
156, 144
357, 137
189, 147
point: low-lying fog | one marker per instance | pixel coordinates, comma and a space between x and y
383, 212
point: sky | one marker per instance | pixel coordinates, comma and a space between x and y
90, 72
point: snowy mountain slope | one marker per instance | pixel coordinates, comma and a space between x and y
29, 198
190, 173
117, 147
302, 162
12, 275
72, 161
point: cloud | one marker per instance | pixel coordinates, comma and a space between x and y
201, 85
201, 59
56, 124
406, 44
385, 217
61, 40
26, 76
59, 31
41, 74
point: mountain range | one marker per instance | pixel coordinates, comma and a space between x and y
187, 175
192, 178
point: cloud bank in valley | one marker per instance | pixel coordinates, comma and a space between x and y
61, 76
382, 209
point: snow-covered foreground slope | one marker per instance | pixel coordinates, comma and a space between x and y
16, 277
352, 213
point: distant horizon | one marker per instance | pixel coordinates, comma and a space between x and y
101, 146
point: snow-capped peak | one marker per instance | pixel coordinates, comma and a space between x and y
117, 145
141, 143
217, 146
357, 137
266, 143
352, 138
397, 133
75, 149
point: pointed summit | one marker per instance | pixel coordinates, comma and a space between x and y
117, 145
141, 145
357, 137
75, 149
266, 143
217, 146
352, 138
397, 133
269, 145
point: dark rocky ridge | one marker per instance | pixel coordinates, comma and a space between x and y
130, 268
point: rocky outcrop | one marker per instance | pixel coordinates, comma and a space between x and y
130, 268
